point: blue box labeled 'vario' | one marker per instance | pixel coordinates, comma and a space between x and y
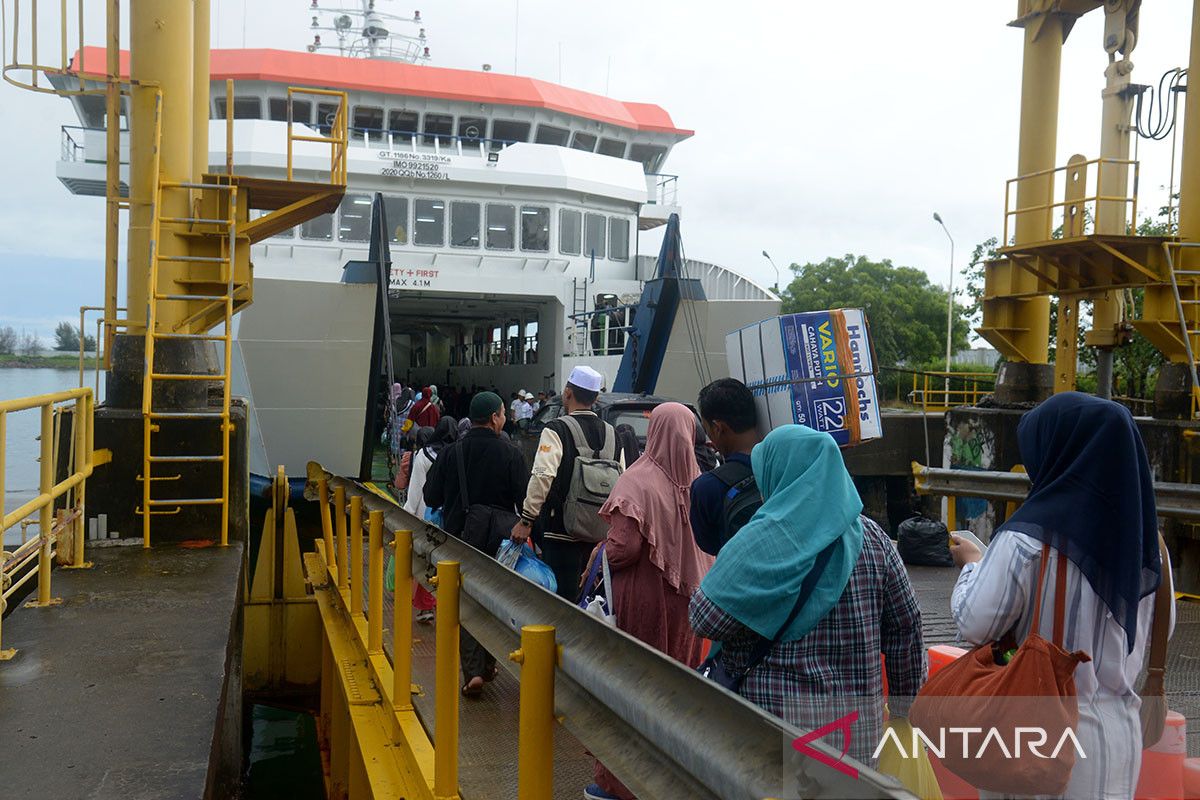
815, 368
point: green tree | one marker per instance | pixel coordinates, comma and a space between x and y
8, 340
907, 313
66, 337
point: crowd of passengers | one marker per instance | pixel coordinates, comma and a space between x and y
764, 572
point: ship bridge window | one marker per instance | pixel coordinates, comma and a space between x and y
501, 222
472, 129
326, 114
505, 131
650, 155
583, 141
548, 134
439, 127
464, 225
396, 211
429, 226
277, 110
354, 218
593, 235
403, 124
318, 228
618, 239
535, 228
612, 147
243, 107
369, 120
570, 225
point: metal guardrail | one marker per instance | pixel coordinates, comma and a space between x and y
1076, 205
34, 557
338, 138
955, 389
666, 731
1173, 500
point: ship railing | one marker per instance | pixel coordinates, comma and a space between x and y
662, 727
401, 141
663, 188
936, 392
75, 144
60, 502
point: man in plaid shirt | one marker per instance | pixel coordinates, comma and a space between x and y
835, 669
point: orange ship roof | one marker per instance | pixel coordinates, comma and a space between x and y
389, 77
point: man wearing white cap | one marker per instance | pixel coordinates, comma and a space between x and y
550, 480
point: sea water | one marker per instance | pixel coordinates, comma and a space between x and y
21, 468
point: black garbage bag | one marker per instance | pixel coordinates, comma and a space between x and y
924, 542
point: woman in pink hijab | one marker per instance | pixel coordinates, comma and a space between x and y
654, 560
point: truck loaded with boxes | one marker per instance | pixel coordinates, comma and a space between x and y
814, 368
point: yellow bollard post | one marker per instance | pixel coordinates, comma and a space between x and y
535, 745
326, 521
46, 515
83, 458
339, 558
375, 584
951, 512
402, 624
445, 735
354, 563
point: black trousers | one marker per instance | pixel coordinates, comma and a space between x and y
568, 561
476, 661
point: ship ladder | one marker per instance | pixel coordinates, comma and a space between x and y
579, 316
225, 228
1191, 281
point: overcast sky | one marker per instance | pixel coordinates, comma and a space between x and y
821, 129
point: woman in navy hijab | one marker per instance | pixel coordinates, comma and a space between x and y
1092, 502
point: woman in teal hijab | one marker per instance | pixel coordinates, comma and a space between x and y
802, 601
809, 504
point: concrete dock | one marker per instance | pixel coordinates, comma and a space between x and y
132, 687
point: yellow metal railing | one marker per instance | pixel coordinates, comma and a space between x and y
1077, 205
34, 557
103, 355
940, 391
337, 139
432, 766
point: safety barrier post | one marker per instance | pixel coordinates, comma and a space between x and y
326, 522
339, 560
951, 511
354, 564
46, 515
83, 457
445, 735
375, 584
535, 745
402, 623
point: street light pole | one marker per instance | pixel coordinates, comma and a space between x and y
949, 304
767, 256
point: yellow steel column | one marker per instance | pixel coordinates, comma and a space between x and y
446, 684
339, 507
160, 44
535, 744
326, 521
1044, 35
46, 515
402, 623
200, 84
112, 221
354, 563
375, 585
1189, 182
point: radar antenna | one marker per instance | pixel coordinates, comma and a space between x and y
367, 32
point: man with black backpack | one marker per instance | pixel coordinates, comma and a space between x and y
574, 470
724, 499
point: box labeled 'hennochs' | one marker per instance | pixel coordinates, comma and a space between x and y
815, 368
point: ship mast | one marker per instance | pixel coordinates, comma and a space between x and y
367, 32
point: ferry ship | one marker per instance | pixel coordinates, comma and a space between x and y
516, 211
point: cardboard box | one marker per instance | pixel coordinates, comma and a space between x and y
815, 369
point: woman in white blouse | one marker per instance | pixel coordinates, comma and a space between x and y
1092, 502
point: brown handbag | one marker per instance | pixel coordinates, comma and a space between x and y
1008, 728
1153, 691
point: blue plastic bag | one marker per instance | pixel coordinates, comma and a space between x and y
523, 561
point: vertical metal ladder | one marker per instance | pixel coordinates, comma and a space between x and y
223, 228
1192, 277
579, 316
